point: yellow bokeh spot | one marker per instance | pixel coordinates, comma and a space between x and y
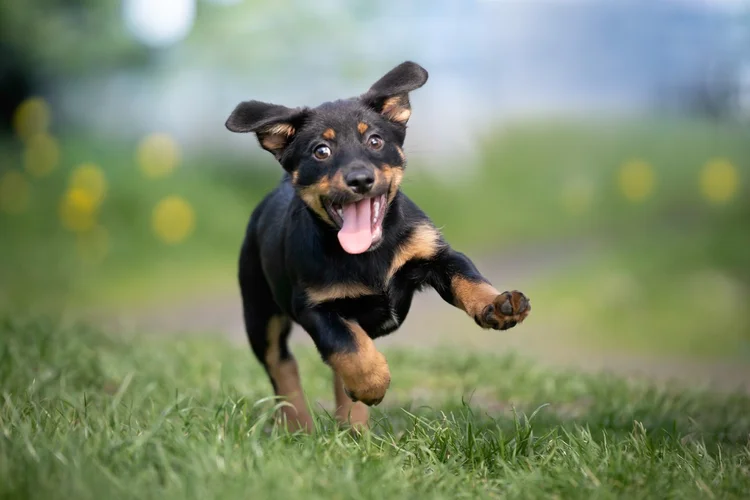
92, 246
90, 178
41, 155
78, 210
636, 180
14, 192
173, 220
719, 181
157, 155
32, 117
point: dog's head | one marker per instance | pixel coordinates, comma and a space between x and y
344, 157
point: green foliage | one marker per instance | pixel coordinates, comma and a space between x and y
54, 38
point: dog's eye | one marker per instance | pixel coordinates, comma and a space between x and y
375, 142
322, 152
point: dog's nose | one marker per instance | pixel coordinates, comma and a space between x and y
360, 181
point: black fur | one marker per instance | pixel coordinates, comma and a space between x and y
290, 247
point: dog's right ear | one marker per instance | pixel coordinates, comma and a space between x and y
273, 124
389, 96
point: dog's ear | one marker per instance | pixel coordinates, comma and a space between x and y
273, 124
389, 96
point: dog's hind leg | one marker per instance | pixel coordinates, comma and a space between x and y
268, 329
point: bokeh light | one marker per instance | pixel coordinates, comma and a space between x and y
159, 24
173, 220
92, 246
41, 155
90, 178
157, 155
719, 181
14, 192
32, 117
78, 210
636, 180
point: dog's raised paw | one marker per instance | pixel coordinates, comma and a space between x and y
506, 311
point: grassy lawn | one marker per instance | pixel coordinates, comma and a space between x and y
86, 415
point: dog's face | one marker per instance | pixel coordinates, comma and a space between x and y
344, 157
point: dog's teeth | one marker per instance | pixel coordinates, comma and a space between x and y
340, 212
376, 208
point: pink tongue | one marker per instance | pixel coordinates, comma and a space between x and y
355, 235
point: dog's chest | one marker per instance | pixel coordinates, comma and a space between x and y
383, 313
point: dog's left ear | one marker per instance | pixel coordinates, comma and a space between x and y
389, 96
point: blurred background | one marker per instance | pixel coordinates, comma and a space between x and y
593, 153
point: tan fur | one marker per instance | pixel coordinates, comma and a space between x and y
390, 104
329, 134
338, 183
423, 243
280, 129
276, 136
273, 142
364, 372
401, 154
402, 115
396, 109
471, 296
393, 176
362, 127
338, 291
312, 194
285, 375
347, 411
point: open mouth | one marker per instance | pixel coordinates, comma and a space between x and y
360, 223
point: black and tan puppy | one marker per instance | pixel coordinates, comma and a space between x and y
338, 249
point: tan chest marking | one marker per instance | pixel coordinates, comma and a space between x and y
318, 295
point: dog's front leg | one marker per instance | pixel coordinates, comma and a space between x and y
458, 282
350, 352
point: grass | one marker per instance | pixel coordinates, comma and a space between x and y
86, 415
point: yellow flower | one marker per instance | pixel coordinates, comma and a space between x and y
157, 155
173, 220
41, 155
32, 117
636, 180
14, 192
719, 181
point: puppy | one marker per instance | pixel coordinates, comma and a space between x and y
338, 249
